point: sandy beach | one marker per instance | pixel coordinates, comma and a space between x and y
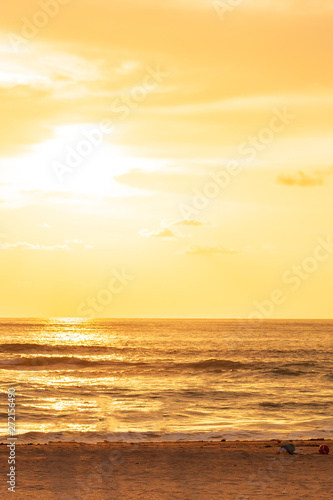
153, 471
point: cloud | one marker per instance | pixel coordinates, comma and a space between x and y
50, 83
166, 232
23, 245
190, 222
78, 243
296, 6
209, 250
35, 90
301, 179
170, 179
162, 233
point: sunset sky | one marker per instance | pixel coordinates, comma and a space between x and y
184, 145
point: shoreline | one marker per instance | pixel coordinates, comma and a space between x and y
187, 442
235, 470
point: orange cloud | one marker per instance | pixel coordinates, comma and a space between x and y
301, 179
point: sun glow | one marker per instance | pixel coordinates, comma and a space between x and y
80, 160
201, 164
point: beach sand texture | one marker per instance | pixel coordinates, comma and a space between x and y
170, 471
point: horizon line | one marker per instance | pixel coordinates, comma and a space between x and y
79, 318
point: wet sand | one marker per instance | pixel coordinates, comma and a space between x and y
170, 471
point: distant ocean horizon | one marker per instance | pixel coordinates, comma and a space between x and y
167, 379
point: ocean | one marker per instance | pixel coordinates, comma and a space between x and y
167, 380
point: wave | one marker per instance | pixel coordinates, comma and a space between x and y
161, 437
214, 363
305, 364
288, 371
70, 362
155, 365
51, 348
73, 361
268, 404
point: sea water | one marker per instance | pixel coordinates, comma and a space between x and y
167, 380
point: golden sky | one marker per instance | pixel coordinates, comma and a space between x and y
166, 158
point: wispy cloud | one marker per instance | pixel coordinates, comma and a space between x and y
209, 250
23, 245
165, 230
190, 222
161, 233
